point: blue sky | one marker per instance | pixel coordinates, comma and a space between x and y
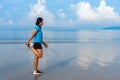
65, 13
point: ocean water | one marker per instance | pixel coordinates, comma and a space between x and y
63, 35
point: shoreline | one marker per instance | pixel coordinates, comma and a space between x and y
11, 42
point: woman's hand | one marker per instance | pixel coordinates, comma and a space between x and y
45, 44
27, 44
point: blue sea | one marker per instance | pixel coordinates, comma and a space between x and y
63, 35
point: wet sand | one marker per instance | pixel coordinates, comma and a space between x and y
62, 61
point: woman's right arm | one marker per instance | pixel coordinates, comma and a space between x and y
31, 37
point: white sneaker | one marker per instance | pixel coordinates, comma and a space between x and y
37, 72
31, 44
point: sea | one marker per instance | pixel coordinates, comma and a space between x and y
84, 35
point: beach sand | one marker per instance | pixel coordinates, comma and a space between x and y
62, 61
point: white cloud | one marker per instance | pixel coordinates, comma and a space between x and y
61, 14
6, 23
10, 22
86, 13
50, 19
39, 10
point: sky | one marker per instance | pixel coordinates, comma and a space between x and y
62, 13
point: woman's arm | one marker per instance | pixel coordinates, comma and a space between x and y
31, 37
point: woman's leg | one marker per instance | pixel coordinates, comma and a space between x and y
36, 63
38, 53
36, 59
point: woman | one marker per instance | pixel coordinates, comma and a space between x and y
37, 46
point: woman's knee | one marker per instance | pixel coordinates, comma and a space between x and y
37, 56
40, 55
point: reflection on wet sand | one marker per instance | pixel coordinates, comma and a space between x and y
62, 61
103, 56
84, 55
37, 76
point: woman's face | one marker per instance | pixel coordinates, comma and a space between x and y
41, 23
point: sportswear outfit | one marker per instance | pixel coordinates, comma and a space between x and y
38, 37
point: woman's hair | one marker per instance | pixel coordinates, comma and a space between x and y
39, 19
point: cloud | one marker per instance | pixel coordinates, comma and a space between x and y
82, 13
39, 10
61, 14
86, 13
10, 22
50, 19
5, 17
6, 23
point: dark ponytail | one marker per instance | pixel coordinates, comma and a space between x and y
39, 19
